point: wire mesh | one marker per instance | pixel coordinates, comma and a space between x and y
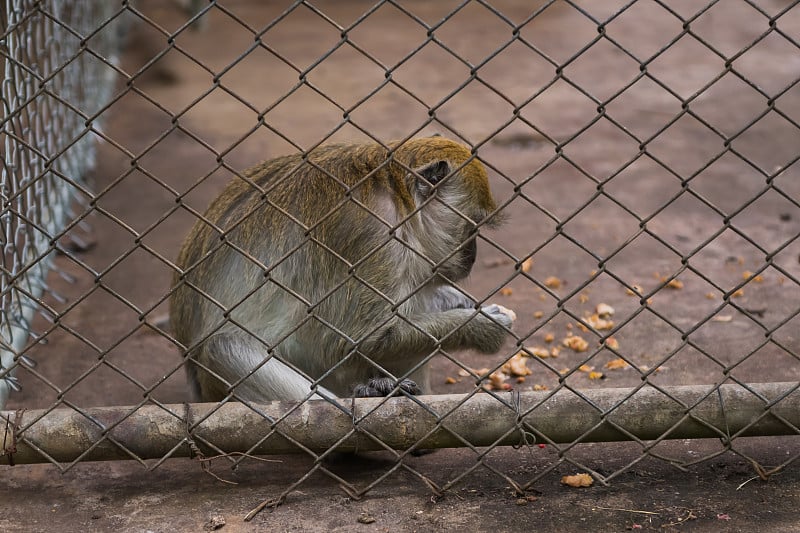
646, 160
50, 92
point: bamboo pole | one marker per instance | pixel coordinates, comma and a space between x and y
152, 431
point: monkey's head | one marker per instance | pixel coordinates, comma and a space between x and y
446, 199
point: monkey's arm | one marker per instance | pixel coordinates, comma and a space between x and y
452, 329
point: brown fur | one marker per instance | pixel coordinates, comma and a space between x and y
304, 260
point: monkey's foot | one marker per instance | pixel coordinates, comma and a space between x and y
380, 387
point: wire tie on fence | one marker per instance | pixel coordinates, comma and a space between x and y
525, 436
727, 441
353, 420
195, 452
10, 446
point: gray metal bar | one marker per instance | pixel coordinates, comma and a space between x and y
151, 432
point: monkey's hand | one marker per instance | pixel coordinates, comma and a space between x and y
502, 315
379, 387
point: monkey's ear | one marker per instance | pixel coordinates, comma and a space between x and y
432, 173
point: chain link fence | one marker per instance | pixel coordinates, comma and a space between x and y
52, 84
643, 153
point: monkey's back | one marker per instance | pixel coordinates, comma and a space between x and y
242, 259
311, 254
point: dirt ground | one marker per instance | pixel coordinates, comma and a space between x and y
589, 193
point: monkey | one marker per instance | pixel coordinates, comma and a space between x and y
333, 273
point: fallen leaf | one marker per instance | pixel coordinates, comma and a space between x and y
578, 480
365, 518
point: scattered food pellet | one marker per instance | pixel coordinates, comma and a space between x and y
569, 326
497, 381
540, 387
710, 296
675, 284
540, 352
635, 291
578, 480
747, 275
520, 379
517, 366
604, 310
583, 297
554, 351
575, 343
549, 337
599, 323
738, 294
496, 262
553, 282
527, 265
450, 380
612, 343
585, 368
538, 314
616, 364
596, 375
506, 291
